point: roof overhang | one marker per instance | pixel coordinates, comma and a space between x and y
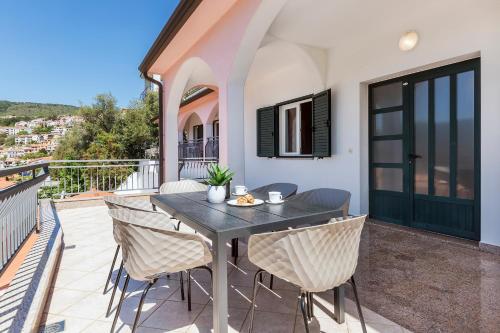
190, 21
182, 13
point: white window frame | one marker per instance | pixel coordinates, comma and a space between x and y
282, 138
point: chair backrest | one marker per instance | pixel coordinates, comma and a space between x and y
327, 197
148, 251
315, 258
182, 186
115, 202
286, 189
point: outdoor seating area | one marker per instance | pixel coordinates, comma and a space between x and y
153, 296
293, 280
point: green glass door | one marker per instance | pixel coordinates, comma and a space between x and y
435, 151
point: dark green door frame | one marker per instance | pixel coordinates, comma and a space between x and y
444, 214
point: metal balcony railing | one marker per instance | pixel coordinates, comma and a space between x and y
212, 148
70, 177
18, 207
194, 168
191, 149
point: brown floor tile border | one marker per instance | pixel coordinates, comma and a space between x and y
16, 262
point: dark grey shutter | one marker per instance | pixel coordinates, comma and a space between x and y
322, 145
265, 132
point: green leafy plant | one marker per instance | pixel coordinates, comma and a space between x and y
218, 176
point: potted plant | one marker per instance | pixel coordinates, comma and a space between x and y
218, 177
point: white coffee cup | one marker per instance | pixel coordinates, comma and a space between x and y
275, 197
240, 189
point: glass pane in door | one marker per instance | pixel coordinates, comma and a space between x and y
421, 111
388, 95
442, 136
388, 123
388, 151
465, 135
389, 179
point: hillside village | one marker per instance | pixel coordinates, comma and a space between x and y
31, 140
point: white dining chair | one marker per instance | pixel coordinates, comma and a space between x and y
316, 259
286, 189
182, 186
131, 203
150, 252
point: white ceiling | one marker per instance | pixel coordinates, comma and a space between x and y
334, 23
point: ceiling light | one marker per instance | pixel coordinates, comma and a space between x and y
408, 41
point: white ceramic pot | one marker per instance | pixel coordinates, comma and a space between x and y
216, 194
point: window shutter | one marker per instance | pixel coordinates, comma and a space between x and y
265, 132
322, 145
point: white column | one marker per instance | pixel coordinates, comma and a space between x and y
231, 127
170, 136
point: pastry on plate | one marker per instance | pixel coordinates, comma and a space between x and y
250, 199
241, 201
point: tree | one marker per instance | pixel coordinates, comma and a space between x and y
3, 136
42, 129
99, 119
138, 131
10, 141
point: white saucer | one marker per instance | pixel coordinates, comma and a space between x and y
275, 202
239, 195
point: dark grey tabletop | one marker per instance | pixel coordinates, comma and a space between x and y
224, 221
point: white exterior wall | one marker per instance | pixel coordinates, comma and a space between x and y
467, 32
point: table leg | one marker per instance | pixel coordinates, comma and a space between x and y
338, 304
219, 286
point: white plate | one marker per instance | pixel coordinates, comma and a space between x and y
275, 202
234, 202
239, 195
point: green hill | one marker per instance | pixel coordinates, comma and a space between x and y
35, 110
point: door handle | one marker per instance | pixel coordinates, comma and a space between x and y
413, 156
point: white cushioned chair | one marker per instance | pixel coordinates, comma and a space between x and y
131, 203
182, 186
316, 259
150, 251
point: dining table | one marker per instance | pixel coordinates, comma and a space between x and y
221, 222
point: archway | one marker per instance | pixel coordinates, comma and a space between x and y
186, 99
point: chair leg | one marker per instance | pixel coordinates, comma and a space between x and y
189, 289
141, 303
358, 305
111, 269
182, 286
118, 308
234, 250
117, 282
255, 288
303, 308
271, 282
310, 302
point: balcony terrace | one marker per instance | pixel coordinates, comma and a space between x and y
398, 283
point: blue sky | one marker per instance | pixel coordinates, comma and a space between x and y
67, 51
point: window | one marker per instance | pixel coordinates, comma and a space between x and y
296, 128
197, 132
216, 128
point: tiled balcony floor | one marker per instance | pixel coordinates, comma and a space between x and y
77, 303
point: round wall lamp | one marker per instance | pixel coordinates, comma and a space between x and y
408, 41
